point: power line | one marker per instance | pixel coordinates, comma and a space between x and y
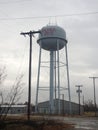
22, 57
15, 1
51, 16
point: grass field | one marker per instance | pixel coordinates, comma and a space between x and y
20, 122
91, 114
36, 123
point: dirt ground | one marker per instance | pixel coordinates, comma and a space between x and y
81, 122
49, 123
36, 123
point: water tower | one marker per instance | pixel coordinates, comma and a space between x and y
53, 38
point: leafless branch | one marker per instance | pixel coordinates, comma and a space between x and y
2, 74
14, 95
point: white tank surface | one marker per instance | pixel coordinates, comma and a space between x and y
50, 36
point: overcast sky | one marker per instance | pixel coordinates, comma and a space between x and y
18, 16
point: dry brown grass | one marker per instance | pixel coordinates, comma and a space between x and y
36, 123
89, 114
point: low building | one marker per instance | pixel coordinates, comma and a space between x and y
43, 107
14, 109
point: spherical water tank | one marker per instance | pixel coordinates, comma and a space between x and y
52, 38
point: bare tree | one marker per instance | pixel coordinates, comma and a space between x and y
1, 98
2, 78
89, 106
16, 90
13, 96
2, 74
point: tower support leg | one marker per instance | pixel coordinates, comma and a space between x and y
58, 67
51, 82
38, 76
68, 82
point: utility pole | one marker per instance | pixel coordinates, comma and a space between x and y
30, 34
94, 93
79, 91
